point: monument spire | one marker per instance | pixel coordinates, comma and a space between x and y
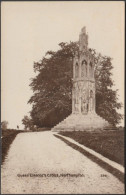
83, 40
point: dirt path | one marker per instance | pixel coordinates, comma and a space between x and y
42, 153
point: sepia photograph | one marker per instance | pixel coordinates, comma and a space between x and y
62, 97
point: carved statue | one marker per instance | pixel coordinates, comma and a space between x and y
84, 68
83, 102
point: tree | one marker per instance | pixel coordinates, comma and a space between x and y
52, 87
4, 125
27, 122
106, 98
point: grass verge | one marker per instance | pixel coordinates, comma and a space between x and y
100, 162
7, 138
110, 144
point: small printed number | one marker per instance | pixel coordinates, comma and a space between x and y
103, 175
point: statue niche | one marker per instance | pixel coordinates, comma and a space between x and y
84, 69
91, 69
76, 70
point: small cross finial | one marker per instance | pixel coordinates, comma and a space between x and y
83, 40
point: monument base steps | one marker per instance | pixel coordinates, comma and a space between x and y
81, 122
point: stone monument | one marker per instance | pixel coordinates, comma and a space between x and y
83, 115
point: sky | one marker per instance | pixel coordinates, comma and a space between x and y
29, 29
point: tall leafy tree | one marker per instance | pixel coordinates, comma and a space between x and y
107, 102
28, 123
52, 87
4, 125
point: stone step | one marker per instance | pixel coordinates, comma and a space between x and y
82, 122
79, 121
78, 126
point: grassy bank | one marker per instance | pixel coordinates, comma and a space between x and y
108, 143
7, 138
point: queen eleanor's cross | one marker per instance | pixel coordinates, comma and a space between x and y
83, 115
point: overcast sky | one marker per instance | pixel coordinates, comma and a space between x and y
29, 29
